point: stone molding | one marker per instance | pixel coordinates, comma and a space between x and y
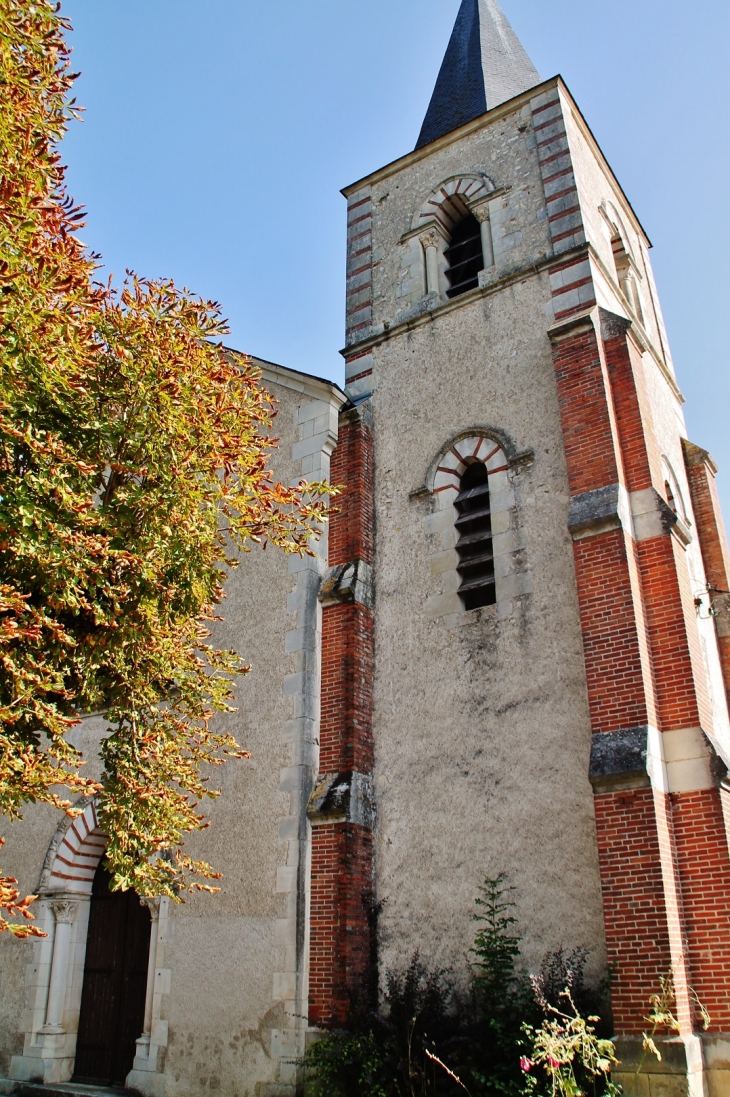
342, 798
642, 514
64, 911
351, 582
678, 760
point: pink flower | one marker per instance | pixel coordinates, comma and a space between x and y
525, 1063
553, 1063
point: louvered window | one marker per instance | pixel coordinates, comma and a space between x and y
474, 546
464, 256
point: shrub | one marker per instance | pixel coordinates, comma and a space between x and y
426, 1040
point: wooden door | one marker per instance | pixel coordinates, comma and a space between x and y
115, 983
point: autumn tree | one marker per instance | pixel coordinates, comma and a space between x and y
133, 469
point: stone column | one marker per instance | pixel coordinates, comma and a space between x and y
64, 913
430, 243
143, 1044
482, 215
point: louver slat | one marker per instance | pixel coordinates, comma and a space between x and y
474, 546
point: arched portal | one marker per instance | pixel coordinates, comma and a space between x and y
97, 942
115, 982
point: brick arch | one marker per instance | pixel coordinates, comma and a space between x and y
450, 200
462, 453
467, 444
74, 854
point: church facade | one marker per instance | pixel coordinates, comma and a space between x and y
510, 652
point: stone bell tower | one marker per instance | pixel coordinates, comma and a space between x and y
523, 669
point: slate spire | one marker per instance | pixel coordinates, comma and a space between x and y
485, 64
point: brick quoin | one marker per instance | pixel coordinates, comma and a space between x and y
342, 859
664, 861
341, 947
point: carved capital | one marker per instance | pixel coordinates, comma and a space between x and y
64, 911
481, 213
153, 905
429, 239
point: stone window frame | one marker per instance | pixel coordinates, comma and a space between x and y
441, 486
430, 232
670, 477
628, 275
55, 977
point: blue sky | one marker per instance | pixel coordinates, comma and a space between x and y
217, 137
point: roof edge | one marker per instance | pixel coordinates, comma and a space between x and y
592, 139
448, 138
285, 375
477, 123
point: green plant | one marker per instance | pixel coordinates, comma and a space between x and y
660, 1016
343, 1064
426, 1040
567, 1050
500, 998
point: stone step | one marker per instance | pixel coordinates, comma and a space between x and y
58, 1089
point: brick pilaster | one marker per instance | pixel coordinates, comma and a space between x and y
657, 802
701, 471
340, 808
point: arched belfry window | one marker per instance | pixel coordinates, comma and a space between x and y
478, 555
474, 544
464, 256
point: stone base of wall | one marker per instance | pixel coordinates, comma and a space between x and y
31, 1068
693, 1066
146, 1082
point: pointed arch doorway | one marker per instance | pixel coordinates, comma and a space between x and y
115, 980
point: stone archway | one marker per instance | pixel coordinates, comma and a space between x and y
56, 976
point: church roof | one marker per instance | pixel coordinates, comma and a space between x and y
485, 64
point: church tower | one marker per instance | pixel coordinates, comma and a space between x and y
524, 655
509, 652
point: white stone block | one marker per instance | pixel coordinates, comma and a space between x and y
511, 586
286, 879
443, 561
439, 604
554, 186
290, 778
163, 980
293, 684
451, 581
285, 986
439, 520
285, 1043
315, 444
288, 827
501, 521
505, 543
